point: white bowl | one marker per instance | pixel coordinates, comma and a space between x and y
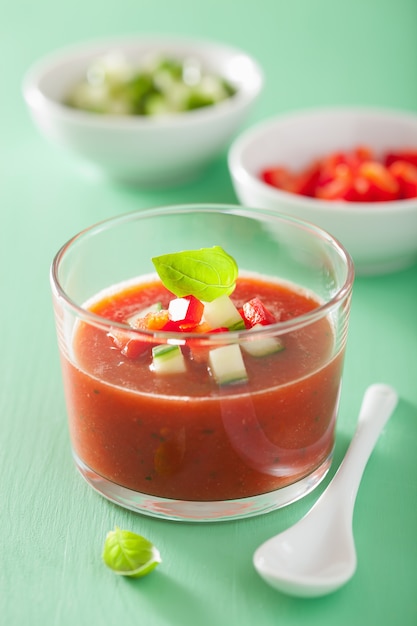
381, 237
144, 150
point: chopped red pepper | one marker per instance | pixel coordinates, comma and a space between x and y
360, 190
172, 326
409, 156
329, 166
306, 181
361, 154
355, 176
406, 175
338, 185
383, 186
281, 178
187, 310
255, 312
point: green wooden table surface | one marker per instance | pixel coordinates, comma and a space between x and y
314, 52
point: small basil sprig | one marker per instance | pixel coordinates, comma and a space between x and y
206, 273
129, 554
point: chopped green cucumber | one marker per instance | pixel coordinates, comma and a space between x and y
227, 365
156, 104
262, 346
153, 308
167, 359
157, 86
222, 312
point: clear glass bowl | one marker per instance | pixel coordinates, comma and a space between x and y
184, 447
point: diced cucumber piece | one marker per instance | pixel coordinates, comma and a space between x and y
238, 325
167, 359
222, 312
227, 365
262, 346
156, 104
153, 308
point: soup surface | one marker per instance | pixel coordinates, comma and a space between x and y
182, 435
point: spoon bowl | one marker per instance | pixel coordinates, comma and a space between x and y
317, 555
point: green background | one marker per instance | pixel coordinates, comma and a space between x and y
52, 525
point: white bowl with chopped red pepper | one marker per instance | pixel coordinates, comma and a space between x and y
150, 111
351, 171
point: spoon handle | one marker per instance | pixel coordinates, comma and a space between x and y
377, 406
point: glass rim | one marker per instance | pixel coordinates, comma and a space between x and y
300, 321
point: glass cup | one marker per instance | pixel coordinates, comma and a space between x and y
186, 446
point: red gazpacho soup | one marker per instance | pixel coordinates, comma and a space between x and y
184, 434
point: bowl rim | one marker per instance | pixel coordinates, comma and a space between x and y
342, 294
37, 100
246, 178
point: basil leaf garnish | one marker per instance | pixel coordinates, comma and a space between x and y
206, 273
129, 554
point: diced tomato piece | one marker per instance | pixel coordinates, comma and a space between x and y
407, 155
134, 348
383, 185
153, 321
187, 310
203, 327
406, 175
280, 177
255, 312
130, 347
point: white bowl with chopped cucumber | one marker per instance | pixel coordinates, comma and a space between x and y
152, 111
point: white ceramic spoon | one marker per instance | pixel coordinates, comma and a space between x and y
317, 555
